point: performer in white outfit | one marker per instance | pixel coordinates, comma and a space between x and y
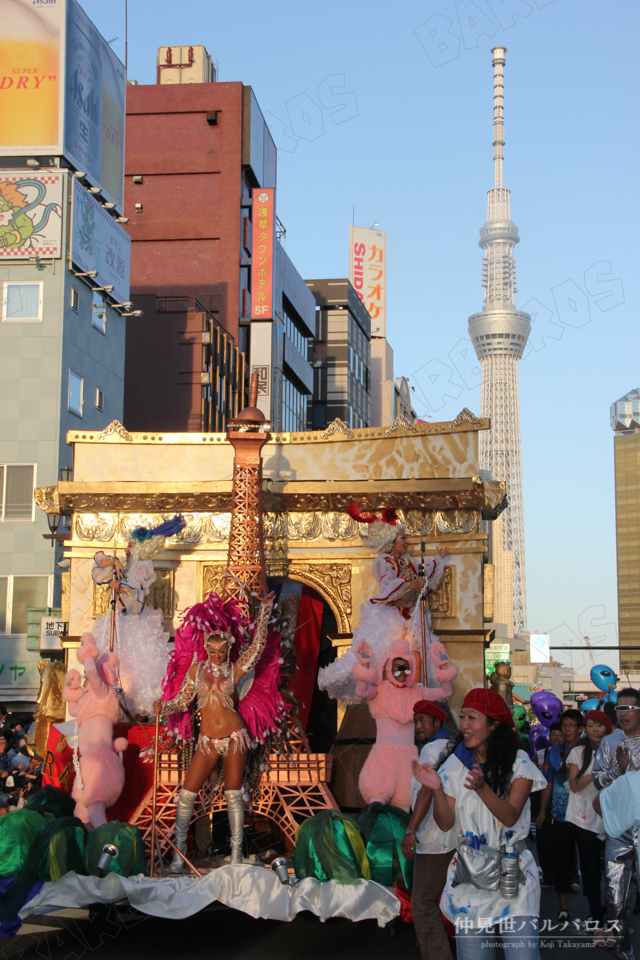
393, 612
140, 640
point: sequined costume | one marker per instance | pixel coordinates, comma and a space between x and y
238, 740
619, 852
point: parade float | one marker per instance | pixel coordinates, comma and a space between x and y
266, 512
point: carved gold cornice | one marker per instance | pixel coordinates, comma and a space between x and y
281, 530
337, 431
278, 498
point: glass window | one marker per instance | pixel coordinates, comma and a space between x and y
75, 299
27, 592
294, 334
16, 492
22, 302
98, 314
294, 408
3, 604
99, 399
75, 397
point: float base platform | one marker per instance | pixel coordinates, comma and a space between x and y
250, 888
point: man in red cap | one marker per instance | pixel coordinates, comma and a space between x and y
431, 847
429, 720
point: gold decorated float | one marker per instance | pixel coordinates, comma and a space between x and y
428, 472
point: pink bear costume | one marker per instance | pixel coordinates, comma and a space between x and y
386, 775
99, 771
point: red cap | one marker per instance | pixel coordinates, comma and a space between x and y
429, 709
490, 703
599, 716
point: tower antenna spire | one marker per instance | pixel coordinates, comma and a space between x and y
498, 112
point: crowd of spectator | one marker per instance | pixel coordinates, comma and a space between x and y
20, 772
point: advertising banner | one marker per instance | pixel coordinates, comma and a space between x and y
99, 243
94, 105
368, 273
263, 234
31, 77
30, 214
62, 91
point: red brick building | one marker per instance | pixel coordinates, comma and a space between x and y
194, 154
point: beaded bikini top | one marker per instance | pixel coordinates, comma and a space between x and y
222, 683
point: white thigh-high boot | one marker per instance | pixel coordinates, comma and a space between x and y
235, 810
184, 812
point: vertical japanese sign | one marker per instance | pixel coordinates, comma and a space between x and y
263, 233
368, 273
94, 105
99, 243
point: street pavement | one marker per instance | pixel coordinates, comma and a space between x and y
118, 933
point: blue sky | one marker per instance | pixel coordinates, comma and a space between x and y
416, 156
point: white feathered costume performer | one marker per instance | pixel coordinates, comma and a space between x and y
393, 613
141, 642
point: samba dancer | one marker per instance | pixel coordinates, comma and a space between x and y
213, 680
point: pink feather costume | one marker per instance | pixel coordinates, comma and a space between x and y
386, 775
95, 709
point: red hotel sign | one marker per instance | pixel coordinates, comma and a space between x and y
264, 220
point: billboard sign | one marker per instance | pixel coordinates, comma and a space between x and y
99, 243
95, 92
32, 41
62, 91
539, 651
30, 214
263, 234
368, 273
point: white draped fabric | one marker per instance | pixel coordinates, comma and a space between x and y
247, 887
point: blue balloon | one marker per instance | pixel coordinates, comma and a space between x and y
611, 697
603, 677
590, 705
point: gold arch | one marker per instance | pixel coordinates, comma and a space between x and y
333, 582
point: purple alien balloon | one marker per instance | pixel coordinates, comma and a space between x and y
547, 707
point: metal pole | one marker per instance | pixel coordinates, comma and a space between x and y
114, 592
423, 665
154, 795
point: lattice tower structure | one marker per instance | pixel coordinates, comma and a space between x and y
499, 335
248, 433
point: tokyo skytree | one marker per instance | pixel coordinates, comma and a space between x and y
499, 334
